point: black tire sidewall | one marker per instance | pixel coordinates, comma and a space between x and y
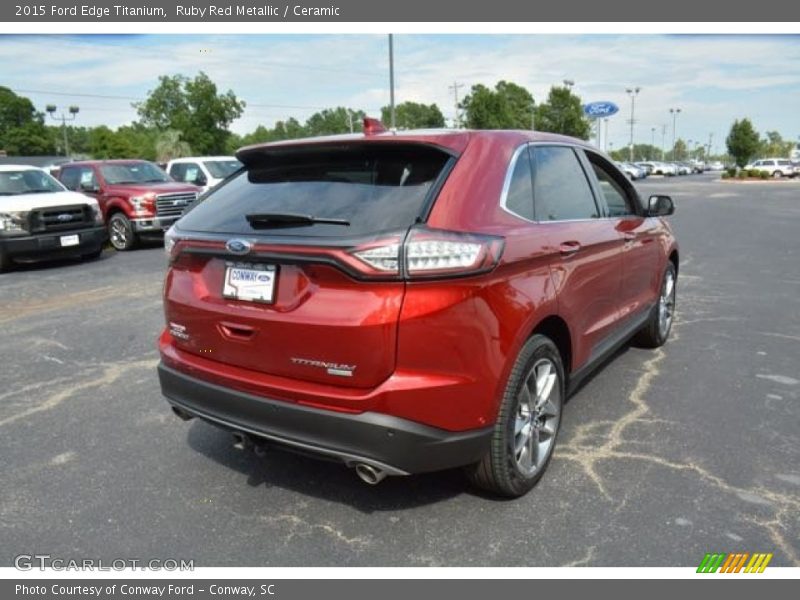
536, 348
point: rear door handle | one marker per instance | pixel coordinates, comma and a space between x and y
629, 237
569, 248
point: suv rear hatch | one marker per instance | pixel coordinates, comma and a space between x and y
263, 272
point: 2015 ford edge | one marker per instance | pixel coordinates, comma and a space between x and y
411, 302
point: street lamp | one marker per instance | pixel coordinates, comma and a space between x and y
73, 111
568, 83
391, 80
632, 92
652, 140
674, 112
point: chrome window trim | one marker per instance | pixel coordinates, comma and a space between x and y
510, 172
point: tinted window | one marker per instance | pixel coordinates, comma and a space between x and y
220, 169
375, 187
615, 195
519, 198
27, 181
561, 190
178, 171
135, 172
70, 177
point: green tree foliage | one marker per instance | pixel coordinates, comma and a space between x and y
169, 145
679, 150
742, 142
563, 113
334, 120
413, 115
194, 108
22, 129
774, 145
507, 106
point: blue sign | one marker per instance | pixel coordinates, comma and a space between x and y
598, 110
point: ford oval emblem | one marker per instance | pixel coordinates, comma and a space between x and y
597, 110
237, 246
64, 217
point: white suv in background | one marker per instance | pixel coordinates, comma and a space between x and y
203, 171
775, 167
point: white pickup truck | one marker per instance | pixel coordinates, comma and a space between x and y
203, 171
41, 219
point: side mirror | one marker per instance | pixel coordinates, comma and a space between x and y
90, 188
200, 180
660, 206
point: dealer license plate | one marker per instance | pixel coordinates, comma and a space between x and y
70, 240
254, 283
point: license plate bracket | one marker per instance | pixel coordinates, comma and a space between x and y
250, 282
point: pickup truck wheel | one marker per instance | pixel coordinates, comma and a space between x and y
527, 423
120, 232
777, 175
656, 331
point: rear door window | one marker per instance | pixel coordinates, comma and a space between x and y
372, 186
561, 190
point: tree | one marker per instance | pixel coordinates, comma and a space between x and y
22, 128
169, 145
334, 120
742, 141
508, 106
414, 115
194, 109
679, 150
563, 113
15, 111
774, 145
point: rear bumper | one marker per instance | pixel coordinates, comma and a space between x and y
48, 245
396, 445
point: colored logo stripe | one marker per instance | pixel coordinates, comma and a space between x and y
733, 563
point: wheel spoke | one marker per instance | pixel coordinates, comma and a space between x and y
549, 409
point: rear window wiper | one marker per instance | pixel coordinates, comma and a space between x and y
258, 220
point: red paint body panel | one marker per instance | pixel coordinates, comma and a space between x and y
437, 352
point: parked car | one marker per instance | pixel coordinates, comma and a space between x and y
203, 171
41, 219
633, 171
774, 167
682, 168
137, 197
413, 301
659, 168
716, 165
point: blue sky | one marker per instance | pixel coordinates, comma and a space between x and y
712, 78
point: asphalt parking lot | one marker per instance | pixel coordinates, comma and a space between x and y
664, 455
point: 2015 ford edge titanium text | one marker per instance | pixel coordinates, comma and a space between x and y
410, 302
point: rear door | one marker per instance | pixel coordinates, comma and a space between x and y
588, 269
321, 315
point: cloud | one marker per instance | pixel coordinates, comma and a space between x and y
712, 78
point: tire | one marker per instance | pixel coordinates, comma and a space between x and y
505, 470
656, 331
777, 175
120, 232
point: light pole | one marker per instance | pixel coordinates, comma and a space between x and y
391, 78
653, 140
633, 92
73, 111
663, 139
674, 112
605, 133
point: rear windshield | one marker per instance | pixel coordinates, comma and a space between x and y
374, 187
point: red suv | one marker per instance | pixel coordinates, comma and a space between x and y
410, 302
137, 197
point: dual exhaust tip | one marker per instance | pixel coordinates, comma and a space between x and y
366, 473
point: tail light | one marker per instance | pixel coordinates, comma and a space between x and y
433, 253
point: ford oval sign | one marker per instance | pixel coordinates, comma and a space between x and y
598, 110
238, 246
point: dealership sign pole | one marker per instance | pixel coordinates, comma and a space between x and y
597, 111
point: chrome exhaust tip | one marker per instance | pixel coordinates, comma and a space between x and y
369, 474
